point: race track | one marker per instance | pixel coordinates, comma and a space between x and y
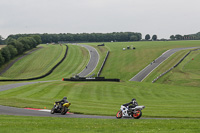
147, 70
94, 59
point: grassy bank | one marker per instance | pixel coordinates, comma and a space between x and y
105, 98
124, 64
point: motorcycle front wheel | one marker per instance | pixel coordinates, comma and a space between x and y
137, 115
53, 110
119, 114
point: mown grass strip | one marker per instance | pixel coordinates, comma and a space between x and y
21, 124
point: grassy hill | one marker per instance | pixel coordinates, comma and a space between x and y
41, 61
124, 64
37, 63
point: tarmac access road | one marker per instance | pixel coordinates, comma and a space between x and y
147, 70
94, 60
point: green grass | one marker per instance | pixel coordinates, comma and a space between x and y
37, 63
125, 64
17, 124
76, 60
41, 61
105, 98
186, 74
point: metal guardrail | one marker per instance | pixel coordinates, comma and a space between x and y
99, 73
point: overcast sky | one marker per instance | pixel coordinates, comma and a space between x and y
160, 17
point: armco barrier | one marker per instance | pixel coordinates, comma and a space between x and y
91, 79
99, 73
48, 73
173, 66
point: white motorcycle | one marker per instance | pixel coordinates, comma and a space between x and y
130, 111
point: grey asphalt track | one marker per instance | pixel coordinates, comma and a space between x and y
5, 110
94, 59
147, 70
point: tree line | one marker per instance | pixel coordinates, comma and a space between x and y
15, 47
148, 37
186, 37
85, 37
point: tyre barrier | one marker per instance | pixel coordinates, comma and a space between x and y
90, 79
99, 73
173, 66
48, 73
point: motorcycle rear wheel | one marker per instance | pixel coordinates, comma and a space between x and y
119, 114
137, 115
63, 111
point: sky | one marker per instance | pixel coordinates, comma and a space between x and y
160, 17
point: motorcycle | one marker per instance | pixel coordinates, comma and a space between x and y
60, 108
130, 111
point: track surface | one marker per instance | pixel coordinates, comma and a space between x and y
147, 70
5, 110
94, 59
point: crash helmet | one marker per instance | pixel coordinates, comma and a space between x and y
64, 97
133, 100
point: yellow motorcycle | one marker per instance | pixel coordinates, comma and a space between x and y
60, 108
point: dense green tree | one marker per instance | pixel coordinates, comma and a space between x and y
172, 37
18, 45
83, 37
37, 39
6, 54
2, 60
133, 38
1, 40
147, 37
13, 51
154, 37
178, 37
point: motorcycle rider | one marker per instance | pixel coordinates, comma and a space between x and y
64, 100
131, 104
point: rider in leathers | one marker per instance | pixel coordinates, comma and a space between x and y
64, 100
131, 104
